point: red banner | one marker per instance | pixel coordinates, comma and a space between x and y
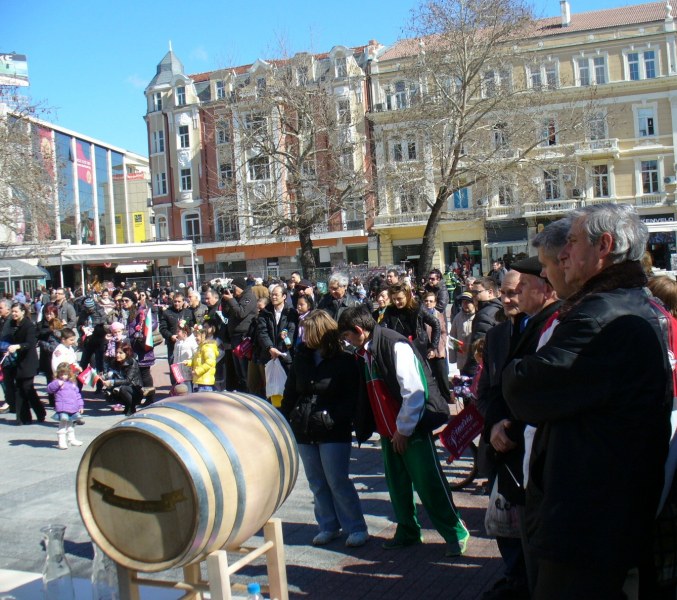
462, 430
84, 163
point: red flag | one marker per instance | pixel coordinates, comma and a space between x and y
84, 163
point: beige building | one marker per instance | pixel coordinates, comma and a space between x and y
616, 67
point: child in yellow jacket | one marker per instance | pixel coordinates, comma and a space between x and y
203, 363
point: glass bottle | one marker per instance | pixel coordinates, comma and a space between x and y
57, 581
104, 577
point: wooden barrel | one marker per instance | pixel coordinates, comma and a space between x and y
184, 477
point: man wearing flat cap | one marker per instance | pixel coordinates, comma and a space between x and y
240, 307
529, 302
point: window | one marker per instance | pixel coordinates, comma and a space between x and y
649, 172
184, 137
344, 112
461, 199
645, 122
160, 184
549, 132
591, 71
600, 181
180, 96
255, 122
404, 150
506, 195
225, 174
222, 133
402, 95
220, 90
308, 168
161, 229
260, 87
226, 225
641, 65
158, 142
409, 200
191, 227
352, 214
341, 67
347, 160
597, 126
543, 75
500, 136
551, 184
259, 168
494, 81
157, 101
302, 75
186, 180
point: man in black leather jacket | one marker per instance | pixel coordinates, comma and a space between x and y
600, 393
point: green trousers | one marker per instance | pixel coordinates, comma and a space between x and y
419, 469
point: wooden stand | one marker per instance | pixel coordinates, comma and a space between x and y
219, 572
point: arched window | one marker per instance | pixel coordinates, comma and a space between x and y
161, 228
226, 226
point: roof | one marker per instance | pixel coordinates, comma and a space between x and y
241, 69
550, 26
167, 69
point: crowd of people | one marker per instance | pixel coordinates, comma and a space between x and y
571, 355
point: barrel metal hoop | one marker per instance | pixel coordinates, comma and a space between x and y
273, 439
230, 450
188, 461
209, 464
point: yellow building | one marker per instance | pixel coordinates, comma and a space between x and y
616, 66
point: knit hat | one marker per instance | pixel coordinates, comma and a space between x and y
116, 326
303, 284
466, 296
130, 296
89, 303
240, 282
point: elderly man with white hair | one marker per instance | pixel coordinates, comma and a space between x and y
338, 298
600, 393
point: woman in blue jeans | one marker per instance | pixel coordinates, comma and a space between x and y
319, 402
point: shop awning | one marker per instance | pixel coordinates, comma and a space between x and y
20, 269
124, 253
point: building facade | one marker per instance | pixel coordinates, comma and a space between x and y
616, 66
99, 197
232, 148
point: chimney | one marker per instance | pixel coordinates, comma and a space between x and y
566, 12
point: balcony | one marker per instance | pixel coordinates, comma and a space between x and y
648, 200
509, 211
549, 207
420, 218
594, 149
228, 236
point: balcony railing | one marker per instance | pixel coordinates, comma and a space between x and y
597, 148
549, 207
651, 200
401, 219
502, 212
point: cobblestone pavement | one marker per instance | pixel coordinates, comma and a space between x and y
38, 487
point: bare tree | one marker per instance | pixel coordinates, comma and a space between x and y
28, 184
489, 121
298, 163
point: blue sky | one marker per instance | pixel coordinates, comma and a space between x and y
89, 62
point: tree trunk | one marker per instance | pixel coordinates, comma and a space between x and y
307, 255
430, 237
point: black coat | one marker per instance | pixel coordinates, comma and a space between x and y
411, 324
169, 323
600, 395
268, 333
127, 373
26, 359
335, 382
240, 312
336, 307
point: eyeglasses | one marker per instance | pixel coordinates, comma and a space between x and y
477, 292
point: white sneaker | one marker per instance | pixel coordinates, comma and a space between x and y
324, 537
357, 539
